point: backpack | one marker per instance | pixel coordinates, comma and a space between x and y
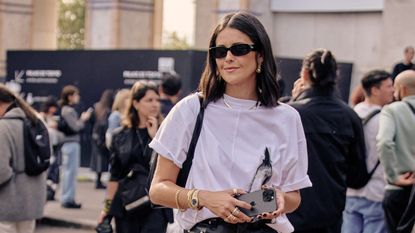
36, 146
64, 127
365, 176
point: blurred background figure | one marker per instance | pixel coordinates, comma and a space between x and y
130, 157
364, 211
22, 197
335, 145
169, 92
48, 111
357, 95
395, 143
70, 124
100, 153
406, 64
118, 108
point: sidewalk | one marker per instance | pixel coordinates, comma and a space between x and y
92, 203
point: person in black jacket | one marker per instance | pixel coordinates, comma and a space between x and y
335, 145
130, 155
406, 63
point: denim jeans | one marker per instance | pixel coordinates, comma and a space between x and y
70, 162
363, 215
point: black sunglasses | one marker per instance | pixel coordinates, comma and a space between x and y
236, 50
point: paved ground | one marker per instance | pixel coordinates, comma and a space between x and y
49, 229
85, 218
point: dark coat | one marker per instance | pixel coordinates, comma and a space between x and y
336, 150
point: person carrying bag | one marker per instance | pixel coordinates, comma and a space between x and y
126, 198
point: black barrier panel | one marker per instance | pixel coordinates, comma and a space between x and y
289, 70
44, 73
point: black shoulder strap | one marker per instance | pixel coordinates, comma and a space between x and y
410, 106
370, 116
184, 172
187, 164
364, 122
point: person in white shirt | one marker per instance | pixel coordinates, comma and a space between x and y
363, 211
245, 129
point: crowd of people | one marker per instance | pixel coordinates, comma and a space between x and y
330, 167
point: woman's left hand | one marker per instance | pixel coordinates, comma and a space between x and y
280, 205
152, 126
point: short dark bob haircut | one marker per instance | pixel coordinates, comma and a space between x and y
267, 89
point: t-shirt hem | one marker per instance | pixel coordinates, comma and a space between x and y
303, 183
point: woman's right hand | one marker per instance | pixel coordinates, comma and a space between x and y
101, 217
224, 205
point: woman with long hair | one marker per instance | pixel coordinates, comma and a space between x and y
22, 197
100, 153
248, 140
131, 155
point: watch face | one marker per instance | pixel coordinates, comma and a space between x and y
194, 202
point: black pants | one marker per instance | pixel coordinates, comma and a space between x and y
217, 225
155, 222
334, 228
394, 205
408, 218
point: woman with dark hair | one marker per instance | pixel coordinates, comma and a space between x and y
100, 153
130, 156
335, 145
71, 148
248, 139
22, 197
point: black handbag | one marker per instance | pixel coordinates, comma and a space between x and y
184, 172
132, 190
105, 226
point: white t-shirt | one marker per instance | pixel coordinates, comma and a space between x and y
231, 147
374, 190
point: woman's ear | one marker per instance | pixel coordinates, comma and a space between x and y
259, 59
304, 75
135, 104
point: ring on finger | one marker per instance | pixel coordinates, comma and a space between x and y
235, 211
234, 218
229, 216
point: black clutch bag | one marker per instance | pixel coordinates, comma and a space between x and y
104, 227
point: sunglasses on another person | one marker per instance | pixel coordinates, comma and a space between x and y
236, 50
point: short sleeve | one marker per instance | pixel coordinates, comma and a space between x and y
173, 137
295, 166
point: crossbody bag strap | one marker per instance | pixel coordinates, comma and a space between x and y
187, 164
184, 172
364, 122
410, 106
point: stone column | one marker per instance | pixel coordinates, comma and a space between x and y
206, 19
45, 24
15, 28
208, 14
397, 31
122, 24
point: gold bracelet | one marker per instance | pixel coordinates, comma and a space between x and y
107, 205
177, 198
